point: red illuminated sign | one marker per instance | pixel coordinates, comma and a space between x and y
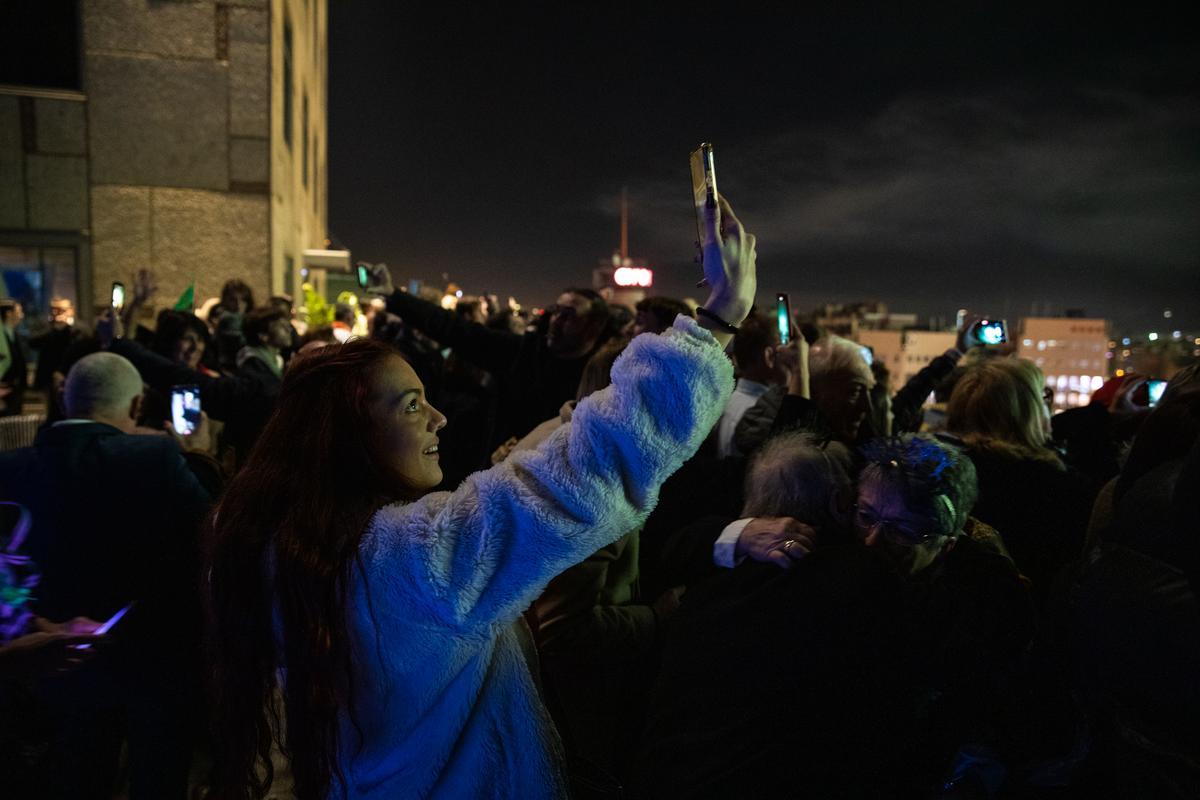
633, 276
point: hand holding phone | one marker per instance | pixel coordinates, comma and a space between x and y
185, 408
118, 296
783, 317
363, 270
981, 331
704, 195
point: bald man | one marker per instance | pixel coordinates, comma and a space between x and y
115, 519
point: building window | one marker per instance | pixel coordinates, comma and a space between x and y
42, 46
288, 102
304, 141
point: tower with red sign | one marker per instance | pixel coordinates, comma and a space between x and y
622, 280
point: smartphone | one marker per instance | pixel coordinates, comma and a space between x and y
704, 186
991, 331
118, 295
783, 317
185, 408
414, 286
107, 626
364, 275
1155, 389
867, 354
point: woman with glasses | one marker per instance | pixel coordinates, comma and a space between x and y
970, 615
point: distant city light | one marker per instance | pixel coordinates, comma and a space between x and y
1167, 313
1127, 341
1153, 337
633, 276
458, 292
1176, 334
1120, 373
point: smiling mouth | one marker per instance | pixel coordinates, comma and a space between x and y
430, 451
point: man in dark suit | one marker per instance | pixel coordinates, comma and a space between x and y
115, 519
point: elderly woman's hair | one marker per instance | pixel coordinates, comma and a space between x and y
791, 475
833, 354
933, 476
998, 404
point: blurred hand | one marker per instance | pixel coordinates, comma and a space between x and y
729, 267
668, 603
1122, 402
781, 541
502, 452
144, 286
381, 280
109, 328
198, 441
793, 360
52, 648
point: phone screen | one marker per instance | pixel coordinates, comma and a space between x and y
364, 276
783, 317
118, 295
1155, 389
704, 186
992, 331
185, 409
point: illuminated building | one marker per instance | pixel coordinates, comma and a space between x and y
191, 141
1071, 352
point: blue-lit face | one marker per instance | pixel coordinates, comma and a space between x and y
406, 426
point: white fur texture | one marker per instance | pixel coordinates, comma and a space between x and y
445, 700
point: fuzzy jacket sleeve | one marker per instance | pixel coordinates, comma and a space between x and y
477, 557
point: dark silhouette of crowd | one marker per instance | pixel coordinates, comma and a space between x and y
622, 563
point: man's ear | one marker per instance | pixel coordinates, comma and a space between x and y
769, 357
135, 407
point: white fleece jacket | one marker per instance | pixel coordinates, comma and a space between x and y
444, 698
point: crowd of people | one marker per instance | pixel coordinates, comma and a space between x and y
644, 552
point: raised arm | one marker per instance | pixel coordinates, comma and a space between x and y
487, 348
479, 557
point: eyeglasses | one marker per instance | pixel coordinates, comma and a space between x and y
895, 533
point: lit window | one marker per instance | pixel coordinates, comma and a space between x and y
1073, 399
1029, 342
1041, 345
1061, 383
1060, 399
1097, 382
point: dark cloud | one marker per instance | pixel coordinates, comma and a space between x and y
979, 158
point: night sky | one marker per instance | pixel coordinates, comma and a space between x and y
991, 160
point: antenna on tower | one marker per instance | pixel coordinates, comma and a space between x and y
624, 225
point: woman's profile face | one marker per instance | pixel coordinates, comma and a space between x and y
405, 426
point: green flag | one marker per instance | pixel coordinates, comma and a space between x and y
187, 300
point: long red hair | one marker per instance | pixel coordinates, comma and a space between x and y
279, 552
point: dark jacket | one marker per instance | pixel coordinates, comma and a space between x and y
115, 517
534, 383
781, 684
1040, 509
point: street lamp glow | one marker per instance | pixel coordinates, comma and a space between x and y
1153, 337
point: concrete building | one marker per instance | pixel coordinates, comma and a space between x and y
905, 353
192, 143
1071, 351
848, 320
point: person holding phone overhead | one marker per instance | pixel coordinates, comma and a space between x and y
389, 635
